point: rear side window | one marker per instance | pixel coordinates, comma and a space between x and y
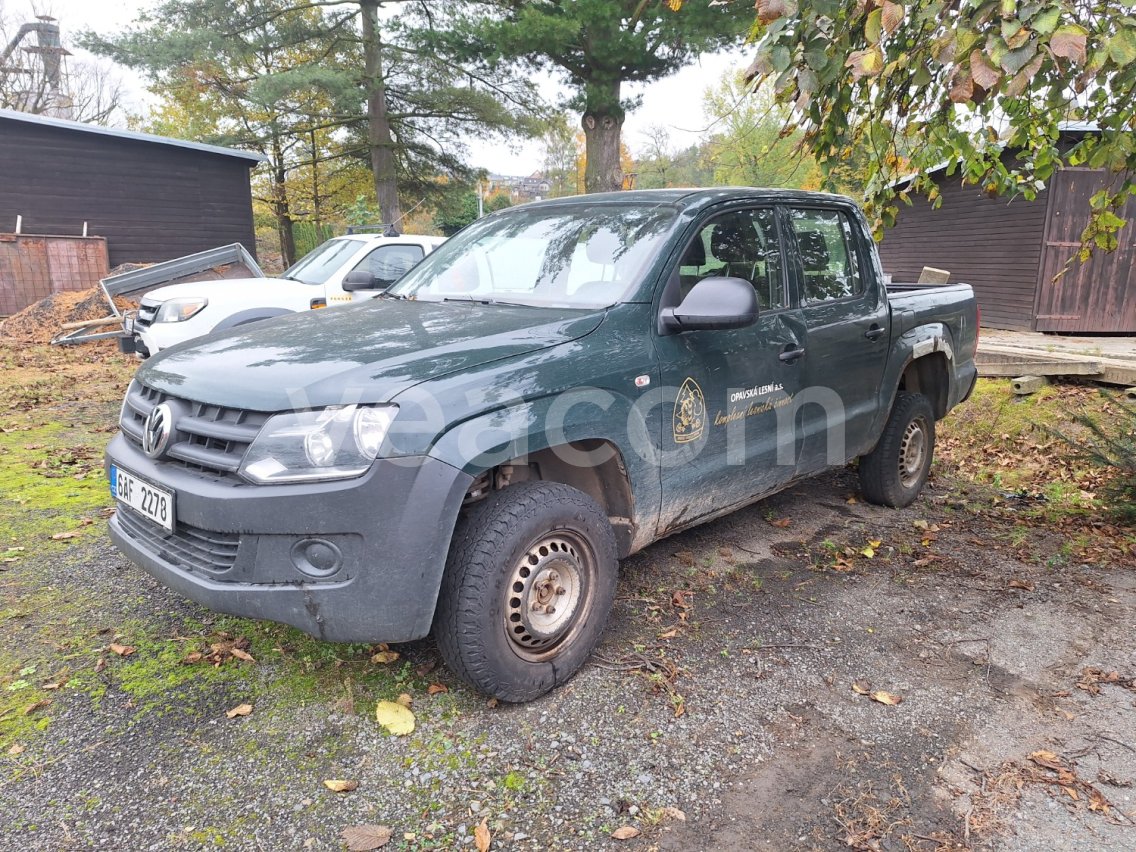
827, 257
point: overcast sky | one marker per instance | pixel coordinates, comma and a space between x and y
675, 102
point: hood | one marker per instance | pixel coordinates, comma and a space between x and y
207, 288
363, 353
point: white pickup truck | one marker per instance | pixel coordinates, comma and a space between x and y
355, 267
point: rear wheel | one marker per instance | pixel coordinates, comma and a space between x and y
528, 586
895, 472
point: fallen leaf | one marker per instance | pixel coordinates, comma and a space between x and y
39, 705
874, 543
669, 634
100, 664
239, 710
63, 536
437, 689
678, 599
674, 813
1021, 584
396, 718
869, 552
15, 750
341, 786
851, 500
886, 698
384, 657
366, 838
920, 524
242, 655
491, 703
195, 657
122, 650
861, 687
1048, 759
625, 832
481, 836
1072, 793
783, 523
426, 668
404, 699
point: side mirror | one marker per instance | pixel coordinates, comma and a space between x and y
361, 279
713, 304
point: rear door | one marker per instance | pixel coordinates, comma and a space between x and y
846, 335
722, 390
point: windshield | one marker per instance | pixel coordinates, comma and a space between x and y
321, 263
565, 257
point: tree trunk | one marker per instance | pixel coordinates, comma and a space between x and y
603, 123
379, 137
280, 206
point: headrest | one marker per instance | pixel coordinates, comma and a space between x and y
602, 246
814, 251
734, 242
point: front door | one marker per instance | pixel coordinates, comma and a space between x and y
720, 441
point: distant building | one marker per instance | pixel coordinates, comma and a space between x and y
521, 188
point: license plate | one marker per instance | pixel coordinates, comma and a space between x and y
147, 500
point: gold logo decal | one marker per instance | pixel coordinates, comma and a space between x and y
689, 413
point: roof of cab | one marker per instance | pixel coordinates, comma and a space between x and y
693, 198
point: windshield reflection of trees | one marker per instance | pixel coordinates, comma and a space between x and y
620, 238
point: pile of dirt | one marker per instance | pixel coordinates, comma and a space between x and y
41, 321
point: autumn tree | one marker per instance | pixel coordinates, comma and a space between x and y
747, 145
597, 46
960, 82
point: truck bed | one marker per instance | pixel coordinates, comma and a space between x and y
914, 305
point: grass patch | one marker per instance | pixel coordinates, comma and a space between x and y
1000, 439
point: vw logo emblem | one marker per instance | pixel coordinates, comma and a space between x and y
156, 430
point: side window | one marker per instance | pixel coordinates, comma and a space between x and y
389, 263
828, 259
739, 244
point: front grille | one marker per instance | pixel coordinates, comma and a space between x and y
146, 314
186, 546
208, 438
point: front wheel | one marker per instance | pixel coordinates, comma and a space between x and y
528, 586
895, 472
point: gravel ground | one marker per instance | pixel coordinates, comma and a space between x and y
731, 702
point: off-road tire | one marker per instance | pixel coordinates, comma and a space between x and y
889, 474
480, 624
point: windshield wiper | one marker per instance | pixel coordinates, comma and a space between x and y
388, 295
470, 300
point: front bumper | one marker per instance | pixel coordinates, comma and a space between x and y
238, 548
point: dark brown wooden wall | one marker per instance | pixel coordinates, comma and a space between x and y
151, 201
1098, 295
994, 245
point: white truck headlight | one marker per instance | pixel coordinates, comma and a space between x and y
180, 309
305, 446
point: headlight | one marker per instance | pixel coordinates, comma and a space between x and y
179, 310
303, 446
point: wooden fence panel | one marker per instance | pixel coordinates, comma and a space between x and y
33, 267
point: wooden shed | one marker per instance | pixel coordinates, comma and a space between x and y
1010, 251
150, 198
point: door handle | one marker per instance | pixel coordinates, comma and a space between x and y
790, 356
875, 332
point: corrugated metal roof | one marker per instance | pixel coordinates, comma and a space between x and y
63, 124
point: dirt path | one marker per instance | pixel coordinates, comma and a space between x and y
723, 690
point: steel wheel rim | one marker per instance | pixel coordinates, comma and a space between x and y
913, 452
547, 593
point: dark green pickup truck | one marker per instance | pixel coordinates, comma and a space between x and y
556, 387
